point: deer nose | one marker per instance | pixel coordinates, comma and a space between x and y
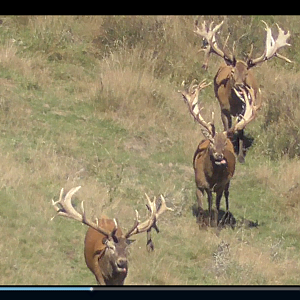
122, 263
219, 156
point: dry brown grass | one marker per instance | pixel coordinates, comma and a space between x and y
268, 262
283, 181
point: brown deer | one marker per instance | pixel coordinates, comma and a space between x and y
236, 74
105, 244
214, 159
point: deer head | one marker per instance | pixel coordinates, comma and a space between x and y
217, 147
114, 255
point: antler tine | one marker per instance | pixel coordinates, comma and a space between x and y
137, 216
197, 87
151, 204
249, 56
163, 206
203, 84
54, 203
283, 57
225, 43
66, 209
192, 86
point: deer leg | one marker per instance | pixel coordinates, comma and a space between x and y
199, 195
241, 157
228, 216
209, 199
218, 200
226, 193
200, 213
226, 119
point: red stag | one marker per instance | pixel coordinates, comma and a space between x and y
105, 244
214, 159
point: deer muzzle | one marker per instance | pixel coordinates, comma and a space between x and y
219, 159
121, 264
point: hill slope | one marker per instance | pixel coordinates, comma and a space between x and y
93, 101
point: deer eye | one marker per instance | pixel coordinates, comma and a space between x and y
112, 247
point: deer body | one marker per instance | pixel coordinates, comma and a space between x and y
213, 171
107, 271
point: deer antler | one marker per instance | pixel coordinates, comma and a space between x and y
250, 108
151, 221
190, 97
65, 208
209, 34
271, 46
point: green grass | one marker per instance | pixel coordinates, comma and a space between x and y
93, 101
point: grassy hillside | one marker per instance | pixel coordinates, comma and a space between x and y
92, 101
